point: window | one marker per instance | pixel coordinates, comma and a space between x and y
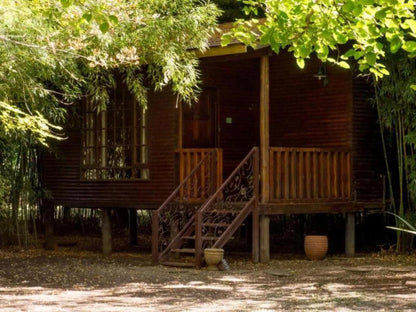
115, 143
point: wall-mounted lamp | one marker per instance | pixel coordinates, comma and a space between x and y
321, 75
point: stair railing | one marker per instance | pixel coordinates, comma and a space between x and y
238, 195
176, 214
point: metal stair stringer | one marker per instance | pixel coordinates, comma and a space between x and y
240, 189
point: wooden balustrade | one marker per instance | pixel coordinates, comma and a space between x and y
309, 174
208, 177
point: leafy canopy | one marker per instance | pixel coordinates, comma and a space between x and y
305, 27
53, 53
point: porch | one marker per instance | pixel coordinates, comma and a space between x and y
204, 212
309, 158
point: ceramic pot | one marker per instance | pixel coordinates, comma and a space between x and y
316, 246
213, 257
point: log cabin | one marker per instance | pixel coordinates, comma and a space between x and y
265, 138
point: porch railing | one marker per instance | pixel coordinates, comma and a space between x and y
302, 174
195, 187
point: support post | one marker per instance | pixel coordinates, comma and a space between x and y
264, 156
155, 237
350, 235
198, 239
133, 226
264, 239
255, 227
49, 220
106, 231
180, 125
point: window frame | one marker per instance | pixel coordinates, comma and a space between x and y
95, 128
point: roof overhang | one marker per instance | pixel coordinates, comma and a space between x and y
220, 51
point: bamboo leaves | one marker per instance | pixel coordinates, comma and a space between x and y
51, 55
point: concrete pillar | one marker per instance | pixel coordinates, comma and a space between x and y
106, 231
350, 234
264, 239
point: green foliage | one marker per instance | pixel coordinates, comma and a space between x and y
231, 10
407, 226
15, 120
52, 53
369, 27
397, 117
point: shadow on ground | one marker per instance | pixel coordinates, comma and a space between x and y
73, 281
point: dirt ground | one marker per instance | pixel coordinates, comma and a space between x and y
71, 280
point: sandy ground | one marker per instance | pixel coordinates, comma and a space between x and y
66, 280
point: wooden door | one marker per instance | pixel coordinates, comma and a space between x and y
200, 122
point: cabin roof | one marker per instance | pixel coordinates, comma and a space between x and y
215, 40
214, 43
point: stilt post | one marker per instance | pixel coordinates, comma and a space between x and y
106, 231
350, 234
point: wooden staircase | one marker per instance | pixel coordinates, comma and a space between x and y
210, 224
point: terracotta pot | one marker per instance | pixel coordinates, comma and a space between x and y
213, 257
316, 246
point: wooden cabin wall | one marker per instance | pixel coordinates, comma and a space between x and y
368, 165
304, 112
238, 84
61, 169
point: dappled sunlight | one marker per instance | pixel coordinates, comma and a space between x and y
125, 284
230, 278
212, 287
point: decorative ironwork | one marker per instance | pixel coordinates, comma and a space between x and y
172, 220
241, 186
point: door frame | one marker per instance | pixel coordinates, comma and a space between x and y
217, 129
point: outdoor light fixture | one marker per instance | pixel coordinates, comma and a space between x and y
321, 75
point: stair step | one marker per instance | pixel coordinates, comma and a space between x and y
216, 224
178, 264
239, 204
184, 250
203, 237
224, 211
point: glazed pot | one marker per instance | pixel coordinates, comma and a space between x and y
316, 246
213, 257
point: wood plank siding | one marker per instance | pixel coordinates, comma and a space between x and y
367, 155
61, 173
304, 112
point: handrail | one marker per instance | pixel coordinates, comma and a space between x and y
309, 149
156, 214
219, 194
